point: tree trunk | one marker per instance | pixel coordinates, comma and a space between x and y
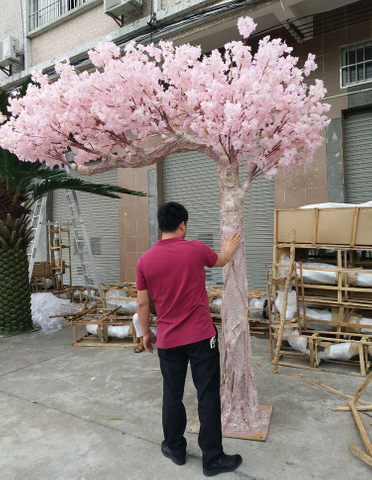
15, 308
240, 409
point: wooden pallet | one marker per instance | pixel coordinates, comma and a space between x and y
345, 299
103, 318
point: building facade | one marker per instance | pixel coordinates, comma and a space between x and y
338, 32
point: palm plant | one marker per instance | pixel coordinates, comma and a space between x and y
21, 184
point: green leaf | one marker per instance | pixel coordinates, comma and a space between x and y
38, 190
114, 418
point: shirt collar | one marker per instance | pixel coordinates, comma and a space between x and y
168, 241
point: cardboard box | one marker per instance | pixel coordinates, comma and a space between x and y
42, 269
327, 226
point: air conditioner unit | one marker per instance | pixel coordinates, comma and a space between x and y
121, 7
8, 48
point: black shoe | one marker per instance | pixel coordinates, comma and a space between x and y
167, 453
227, 463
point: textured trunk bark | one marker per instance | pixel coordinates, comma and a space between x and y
240, 409
15, 306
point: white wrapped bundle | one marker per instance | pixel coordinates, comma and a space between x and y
216, 305
318, 314
291, 304
126, 305
120, 331
337, 205
43, 306
257, 303
342, 351
316, 276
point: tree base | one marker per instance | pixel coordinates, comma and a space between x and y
257, 435
12, 334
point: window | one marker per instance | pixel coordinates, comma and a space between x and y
356, 64
43, 12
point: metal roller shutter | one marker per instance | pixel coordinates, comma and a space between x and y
358, 156
101, 218
191, 179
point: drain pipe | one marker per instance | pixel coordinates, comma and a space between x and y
25, 8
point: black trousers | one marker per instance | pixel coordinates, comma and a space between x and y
205, 368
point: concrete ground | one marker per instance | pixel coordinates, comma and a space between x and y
57, 405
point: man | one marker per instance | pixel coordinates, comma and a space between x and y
172, 274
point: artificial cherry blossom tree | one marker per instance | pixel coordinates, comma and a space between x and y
138, 107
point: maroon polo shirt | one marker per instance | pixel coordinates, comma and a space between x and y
173, 273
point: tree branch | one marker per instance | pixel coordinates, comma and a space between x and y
139, 157
250, 177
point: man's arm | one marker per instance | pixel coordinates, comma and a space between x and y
229, 249
143, 310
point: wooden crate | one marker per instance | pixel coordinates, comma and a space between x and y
104, 318
316, 230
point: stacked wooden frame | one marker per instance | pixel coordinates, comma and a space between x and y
347, 234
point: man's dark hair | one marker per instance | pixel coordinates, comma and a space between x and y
171, 215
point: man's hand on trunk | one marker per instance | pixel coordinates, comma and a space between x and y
149, 341
231, 245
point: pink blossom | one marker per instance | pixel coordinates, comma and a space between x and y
223, 105
310, 65
246, 26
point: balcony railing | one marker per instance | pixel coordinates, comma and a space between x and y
48, 11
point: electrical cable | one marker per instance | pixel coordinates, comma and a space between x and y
164, 26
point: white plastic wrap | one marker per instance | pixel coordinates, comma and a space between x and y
355, 319
337, 205
120, 331
253, 303
216, 305
291, 304
44, 305
318, 314
316, 276
257, 303
112, 331
364, 279
126, 305
342, 351
116, 293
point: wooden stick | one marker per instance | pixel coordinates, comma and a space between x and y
315, 227
327, 370
303, 296
285, 301
362, 430
111, 312
80, 343
269, 310
361, 361
74, 334
364, 408
361, 389
325, 387
360, 454
299, 318
355, 224
328, 339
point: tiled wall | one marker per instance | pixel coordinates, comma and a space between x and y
303, 185
133, 221
76, 31
10, 24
